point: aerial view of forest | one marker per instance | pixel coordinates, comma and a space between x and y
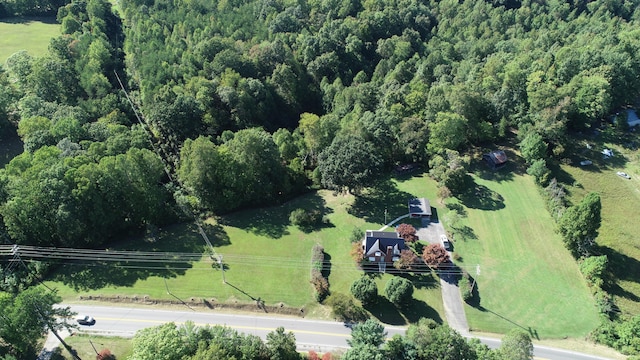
147, 113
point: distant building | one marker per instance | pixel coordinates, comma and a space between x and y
419, 208
495, 159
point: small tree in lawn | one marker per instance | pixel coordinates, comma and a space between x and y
407, 232
435, 256
399, 291
407, 260
357, 252
365, 290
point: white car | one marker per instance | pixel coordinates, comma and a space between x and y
85, 320
623, 174
446, 244
585, 162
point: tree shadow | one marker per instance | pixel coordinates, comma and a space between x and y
326, 266
418, 309
384, 198
622, 267
384, 310
163, 257
29, 19
478, 196
532, 332
464, 233
10, 144
461, 210
273, 221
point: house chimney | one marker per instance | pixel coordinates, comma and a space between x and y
388, 256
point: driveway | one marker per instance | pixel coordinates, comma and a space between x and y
451, 298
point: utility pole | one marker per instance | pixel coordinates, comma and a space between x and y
385, 216
477, 274
224, 281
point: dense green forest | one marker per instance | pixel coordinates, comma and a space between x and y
246, 103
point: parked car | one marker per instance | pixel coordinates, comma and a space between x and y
85, 320
585, 162
446, 243
623, 174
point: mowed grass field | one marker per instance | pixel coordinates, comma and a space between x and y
619, 232
30, 34
264, 258
527, 279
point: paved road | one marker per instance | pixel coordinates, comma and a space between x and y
310, 334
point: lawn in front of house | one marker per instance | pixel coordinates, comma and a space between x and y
265, 258
84, 345
30, 34
527, 278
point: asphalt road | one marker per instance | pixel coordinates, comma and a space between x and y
315, 335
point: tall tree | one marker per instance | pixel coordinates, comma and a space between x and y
516, 345
435, 341
365, 290
399, 291
26, 317
350, 163
369, 332
282, 345
435, 256
579, 225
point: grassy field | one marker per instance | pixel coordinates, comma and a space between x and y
30, 34
264, 257
120, 347
620, 207
527, 278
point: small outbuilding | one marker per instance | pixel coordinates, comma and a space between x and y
420, 208
495, 159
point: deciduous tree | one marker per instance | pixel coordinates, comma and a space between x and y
516, 345
435, 256
579, 225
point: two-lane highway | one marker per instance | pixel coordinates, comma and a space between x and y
310, 334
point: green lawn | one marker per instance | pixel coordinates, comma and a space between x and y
30, 34
265, 258
120, 347
527, 278
620, 207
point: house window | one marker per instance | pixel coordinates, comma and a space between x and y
371, 258
378, 253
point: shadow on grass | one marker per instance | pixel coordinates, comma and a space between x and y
478, 196
29, 19
110, 268
273, 222
371, 205
532, 332
624, 268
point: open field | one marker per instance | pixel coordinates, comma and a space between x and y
527, 278
30, 34
120, 347
620, 199
264, 257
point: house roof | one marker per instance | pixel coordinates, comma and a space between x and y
375, 241
498, 157
419, 206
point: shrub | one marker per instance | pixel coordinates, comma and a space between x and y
399, 291
604, 302
320, 283
365, 290
305, 219
465, 287
344, 308
356, 235
593, 268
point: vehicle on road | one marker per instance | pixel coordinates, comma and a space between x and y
446, 244
623, 174
85, 320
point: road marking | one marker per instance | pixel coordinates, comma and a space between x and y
243, 327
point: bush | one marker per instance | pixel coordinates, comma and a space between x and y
604, 302
344, 308
320, 283
305, 219
465, 287
365, 290
593, 268
399, 291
